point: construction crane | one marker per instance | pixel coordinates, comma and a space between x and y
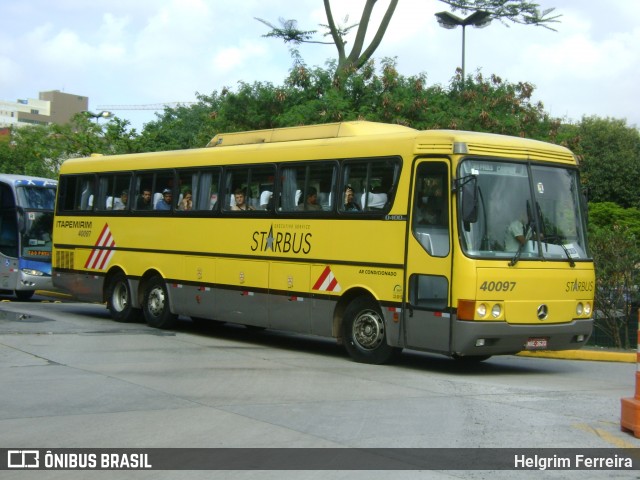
148, 106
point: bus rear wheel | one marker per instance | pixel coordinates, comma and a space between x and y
364, 333
119, 299
155, 305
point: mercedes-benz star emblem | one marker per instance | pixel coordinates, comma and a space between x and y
543, 312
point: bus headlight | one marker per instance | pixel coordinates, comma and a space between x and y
30, 271
487, 310
583, 309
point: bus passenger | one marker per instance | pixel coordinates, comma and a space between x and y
121, 204
349, 204
240, 199
432, 209
516, 235
377, 198
165, 202
310, 201
187, 201
144, 200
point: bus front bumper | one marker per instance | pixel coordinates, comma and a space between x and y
28, 281
500, 338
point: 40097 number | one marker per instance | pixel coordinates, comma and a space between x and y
498, 286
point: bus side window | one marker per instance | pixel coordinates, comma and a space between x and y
430, 208
86, 193
307, 188
249, 185
372, 182
429, 291
104, 198
121, 192
77, 193
206, 195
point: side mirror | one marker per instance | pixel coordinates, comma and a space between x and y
469, 200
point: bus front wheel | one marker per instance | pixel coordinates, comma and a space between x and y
119, 299
364, 333
155, 305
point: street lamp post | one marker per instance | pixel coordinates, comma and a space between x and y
97, 116
478, 19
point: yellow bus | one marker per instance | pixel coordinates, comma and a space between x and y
381, 236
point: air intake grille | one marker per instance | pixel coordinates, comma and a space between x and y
64, 259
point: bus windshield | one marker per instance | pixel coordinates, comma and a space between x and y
524, 211
36, 197
36, 236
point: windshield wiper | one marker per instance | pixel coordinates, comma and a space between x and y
516, 257
566, 251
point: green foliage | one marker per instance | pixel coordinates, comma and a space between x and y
311, 96
610, 152
608, 215
616, 253
40, 149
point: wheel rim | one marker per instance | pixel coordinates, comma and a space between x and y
120, 298
156, 301
368, 330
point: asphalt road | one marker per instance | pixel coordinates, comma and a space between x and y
72, 378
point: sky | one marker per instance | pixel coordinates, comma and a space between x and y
149, 52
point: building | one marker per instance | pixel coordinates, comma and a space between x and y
51, 107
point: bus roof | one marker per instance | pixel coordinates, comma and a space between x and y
307, 132
26, 180
441, 142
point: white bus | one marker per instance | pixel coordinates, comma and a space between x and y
26, 224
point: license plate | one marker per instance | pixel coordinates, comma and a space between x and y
536, 344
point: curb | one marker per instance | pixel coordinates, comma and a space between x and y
593, 355
54, 294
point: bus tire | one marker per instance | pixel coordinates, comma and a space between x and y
155, 304
119, 302
364, 333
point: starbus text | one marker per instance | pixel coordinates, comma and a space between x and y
286, 242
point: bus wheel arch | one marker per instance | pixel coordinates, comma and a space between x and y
363, 328
155, 301
118, 295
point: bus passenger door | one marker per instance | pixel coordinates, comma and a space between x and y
428, 271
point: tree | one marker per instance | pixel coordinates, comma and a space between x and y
610, 154
308, 96
39, 150
615, 252
517, 11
